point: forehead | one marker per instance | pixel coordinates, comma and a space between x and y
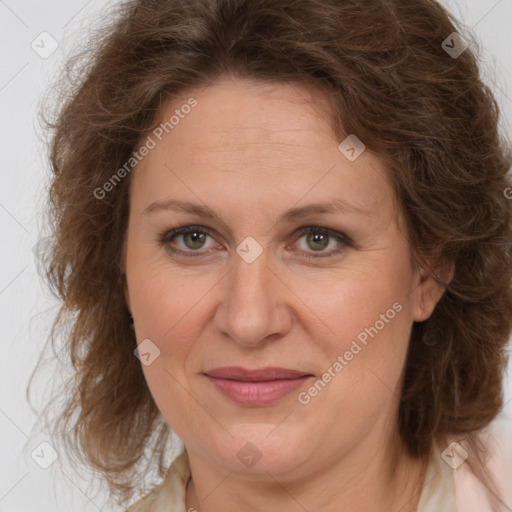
247, 114
258, 138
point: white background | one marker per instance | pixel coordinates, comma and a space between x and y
25, 308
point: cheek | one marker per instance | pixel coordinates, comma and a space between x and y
171, 307
168, 308
363, 317
358, 298
165, 306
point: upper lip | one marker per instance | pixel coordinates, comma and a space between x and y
258, 374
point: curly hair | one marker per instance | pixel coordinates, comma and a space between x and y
384, 66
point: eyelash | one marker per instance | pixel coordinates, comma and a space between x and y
166, 237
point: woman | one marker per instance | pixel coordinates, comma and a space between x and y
282, 232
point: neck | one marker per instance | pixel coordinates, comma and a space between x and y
390, 481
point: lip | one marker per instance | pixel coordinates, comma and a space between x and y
257, 387
256, 375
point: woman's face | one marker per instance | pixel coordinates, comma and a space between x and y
247, 286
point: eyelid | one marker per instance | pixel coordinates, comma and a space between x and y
167, 235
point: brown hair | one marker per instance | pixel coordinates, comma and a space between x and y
393, 85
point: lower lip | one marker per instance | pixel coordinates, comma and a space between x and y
257, 393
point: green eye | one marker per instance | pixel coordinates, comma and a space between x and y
320, 240
194, 238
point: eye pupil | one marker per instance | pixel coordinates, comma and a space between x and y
196, 237
319, 238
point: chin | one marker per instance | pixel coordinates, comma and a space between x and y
259, 449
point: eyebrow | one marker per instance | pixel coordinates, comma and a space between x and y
297, 213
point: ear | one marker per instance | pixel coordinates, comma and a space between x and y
429, 290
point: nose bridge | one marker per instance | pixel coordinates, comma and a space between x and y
249, 312
250, 279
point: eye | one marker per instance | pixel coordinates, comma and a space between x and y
318, 238
193, 238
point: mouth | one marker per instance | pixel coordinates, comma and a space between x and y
257, 387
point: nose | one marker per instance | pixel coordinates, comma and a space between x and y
254, 306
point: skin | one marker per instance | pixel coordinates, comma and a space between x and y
251, 151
